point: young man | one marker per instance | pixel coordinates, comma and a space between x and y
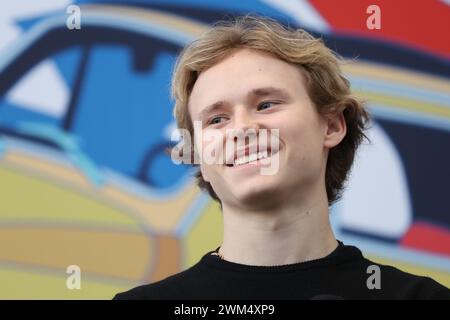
253, 74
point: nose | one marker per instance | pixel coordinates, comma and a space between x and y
244, 124
243, 119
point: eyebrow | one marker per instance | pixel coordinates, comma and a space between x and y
268, 91
254, 93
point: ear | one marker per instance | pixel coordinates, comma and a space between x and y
336, 129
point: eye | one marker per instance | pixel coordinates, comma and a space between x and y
265, 105
215, 120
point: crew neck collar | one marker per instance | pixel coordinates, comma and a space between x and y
341, 254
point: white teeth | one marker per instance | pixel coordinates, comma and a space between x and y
262, 154
251, 158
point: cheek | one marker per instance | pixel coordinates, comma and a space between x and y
213, 150
302, 140
198, 140
205, 172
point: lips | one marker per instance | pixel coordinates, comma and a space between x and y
243, 156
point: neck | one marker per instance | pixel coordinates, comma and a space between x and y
285, 235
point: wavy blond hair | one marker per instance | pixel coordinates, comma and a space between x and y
325, 84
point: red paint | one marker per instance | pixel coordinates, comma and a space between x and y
423, 24
427, 237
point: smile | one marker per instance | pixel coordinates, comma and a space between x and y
252, 159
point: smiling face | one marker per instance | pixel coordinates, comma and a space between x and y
253, 90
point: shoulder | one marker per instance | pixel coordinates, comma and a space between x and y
403, 285
173, 287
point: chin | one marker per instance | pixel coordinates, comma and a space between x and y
255, 195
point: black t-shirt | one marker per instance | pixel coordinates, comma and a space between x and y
343, 274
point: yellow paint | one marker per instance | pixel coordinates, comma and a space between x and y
159, 213
26, 198
397, 75
45, 166
405, 104
206, 235
115, 254
162, 214
18, 284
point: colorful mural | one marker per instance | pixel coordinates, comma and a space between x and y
85, 119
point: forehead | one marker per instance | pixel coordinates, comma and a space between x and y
243, 71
